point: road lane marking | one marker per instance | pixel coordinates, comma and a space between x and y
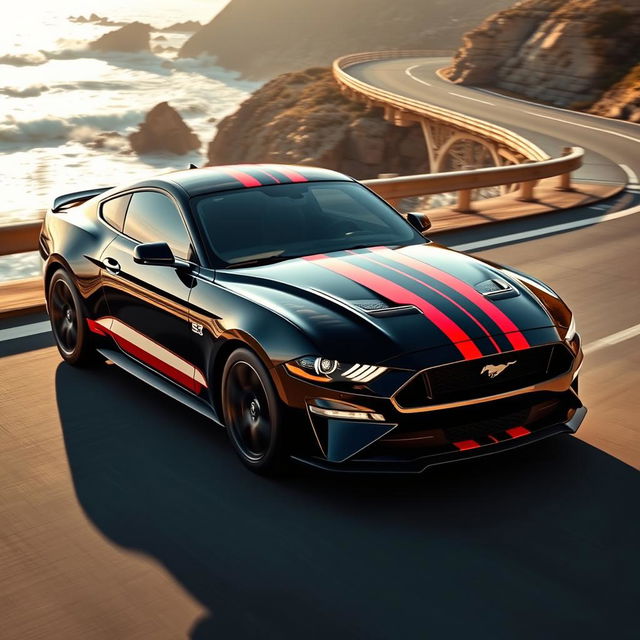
631, 174
25, 330
408, 71
460, 95
537, 233
614, 338
584, 126
532, 103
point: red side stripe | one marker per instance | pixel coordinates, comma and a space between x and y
94, 327
518, 432
294, 176
241, 176
444, 295
466, 444
513, 334
158, 364
400, 295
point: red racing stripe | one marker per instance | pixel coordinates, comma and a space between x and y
94, 327
444, 295
294, 176
400, 295
241, 176
466, 444
513, 334
518, 432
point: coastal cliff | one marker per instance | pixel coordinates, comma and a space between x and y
302, 118
569, 53
262, 39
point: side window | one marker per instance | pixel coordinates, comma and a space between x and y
152, 217
113, 211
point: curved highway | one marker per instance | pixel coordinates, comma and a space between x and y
123, 515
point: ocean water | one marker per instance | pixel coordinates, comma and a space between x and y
56, 96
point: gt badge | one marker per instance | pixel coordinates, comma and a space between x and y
196, 328
493, 370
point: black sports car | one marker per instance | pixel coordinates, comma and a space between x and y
301, 311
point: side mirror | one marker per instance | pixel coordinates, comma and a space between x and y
419, 221
155, 253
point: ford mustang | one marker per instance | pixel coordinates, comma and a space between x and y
299, 310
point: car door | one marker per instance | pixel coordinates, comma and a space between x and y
149, 304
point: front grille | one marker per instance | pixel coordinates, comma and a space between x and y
471, 379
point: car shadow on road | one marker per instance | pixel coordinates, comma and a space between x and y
540, 542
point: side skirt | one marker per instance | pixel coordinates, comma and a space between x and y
161, 383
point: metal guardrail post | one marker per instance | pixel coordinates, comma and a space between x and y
565, 178
464, 201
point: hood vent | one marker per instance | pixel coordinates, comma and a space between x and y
381, 309
496, 288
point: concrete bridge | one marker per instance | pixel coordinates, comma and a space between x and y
122, 515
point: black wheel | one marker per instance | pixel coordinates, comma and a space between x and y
68, 321
253, 413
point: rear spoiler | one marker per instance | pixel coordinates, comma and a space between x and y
75, 198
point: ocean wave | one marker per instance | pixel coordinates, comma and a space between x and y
24, 59
50, 130
28, 92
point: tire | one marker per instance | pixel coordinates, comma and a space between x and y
69, 322
253, 414
575, 385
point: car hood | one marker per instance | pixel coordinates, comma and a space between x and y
375, 304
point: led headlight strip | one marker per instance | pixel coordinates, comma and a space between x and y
363, 373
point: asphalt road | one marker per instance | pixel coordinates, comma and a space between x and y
123, 515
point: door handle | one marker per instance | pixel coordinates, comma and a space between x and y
112, 266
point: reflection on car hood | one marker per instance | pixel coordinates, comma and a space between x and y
383, 302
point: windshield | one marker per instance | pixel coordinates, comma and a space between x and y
290, 220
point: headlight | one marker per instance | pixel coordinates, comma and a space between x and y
571, 331
327, 370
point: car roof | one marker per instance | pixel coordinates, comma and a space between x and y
242, 176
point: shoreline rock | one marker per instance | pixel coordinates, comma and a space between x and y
131, 38
164, 130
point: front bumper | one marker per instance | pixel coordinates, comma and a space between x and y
396, 439
381, 457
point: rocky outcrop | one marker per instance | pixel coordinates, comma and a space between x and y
302, 118
188, 26
164, 130
622, 100
564, 52
262, 39
130, 38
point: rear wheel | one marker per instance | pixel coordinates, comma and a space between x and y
253, 413
68, 321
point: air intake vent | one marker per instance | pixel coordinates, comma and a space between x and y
496, 288
378, 308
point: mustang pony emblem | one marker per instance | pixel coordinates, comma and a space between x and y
493, 370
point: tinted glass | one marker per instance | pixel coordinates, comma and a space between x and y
298, 219
152, 217
113, 211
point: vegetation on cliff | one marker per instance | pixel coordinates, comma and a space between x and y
303, 118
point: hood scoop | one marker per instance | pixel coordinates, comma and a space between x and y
382, 309
496, 289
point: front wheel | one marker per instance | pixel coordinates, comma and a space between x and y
68, 321
253, 414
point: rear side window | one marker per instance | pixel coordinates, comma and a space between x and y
153, 217
114, 210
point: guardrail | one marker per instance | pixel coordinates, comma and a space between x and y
526, 175
17, 238
420, 109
